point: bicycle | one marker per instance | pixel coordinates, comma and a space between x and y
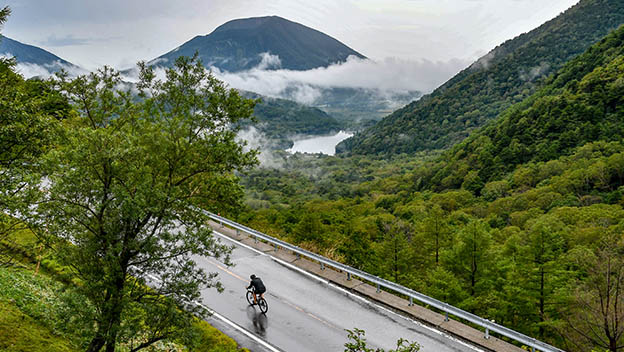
262, 304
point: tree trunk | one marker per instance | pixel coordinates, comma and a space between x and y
541, 302
396, 261
473, 274
437, 248
108, 330
96, 344
110, 345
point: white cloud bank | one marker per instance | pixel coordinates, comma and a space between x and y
28, 70
390, 74
387, 77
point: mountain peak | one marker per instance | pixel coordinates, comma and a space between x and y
252, 23
240, 44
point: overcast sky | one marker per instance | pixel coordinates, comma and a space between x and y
91, 33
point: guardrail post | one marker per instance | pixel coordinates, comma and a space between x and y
221, 222
411, 301
237, 232
276, 247
446, 316
348, 276
378, 288
322, 266
255, 239
298, 255
487, 333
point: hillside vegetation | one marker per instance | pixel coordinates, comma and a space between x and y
507, 75
39, 304
522, 223
581, 103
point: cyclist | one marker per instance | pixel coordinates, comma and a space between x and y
258, 287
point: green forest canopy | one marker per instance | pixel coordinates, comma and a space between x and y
515, 224
507, 75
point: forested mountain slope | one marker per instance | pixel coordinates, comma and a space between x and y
583, 102
506, 75
521, 223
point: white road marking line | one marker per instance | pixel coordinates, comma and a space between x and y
242, 330
231, 323
283, 301
353, 295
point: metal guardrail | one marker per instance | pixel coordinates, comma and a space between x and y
445, 307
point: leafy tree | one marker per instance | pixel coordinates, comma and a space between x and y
308, 228
594, 314
356, 248
444, 286
436, 230
357, 343
127, 179
518, 309
393, 252
469, 257
26, 118
543, 270
496, 189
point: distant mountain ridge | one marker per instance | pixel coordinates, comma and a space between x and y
239, 44
507, 75
30, 54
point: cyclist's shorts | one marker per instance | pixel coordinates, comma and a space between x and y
261, 290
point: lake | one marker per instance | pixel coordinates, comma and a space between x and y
319, 144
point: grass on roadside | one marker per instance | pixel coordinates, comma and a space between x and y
36, 309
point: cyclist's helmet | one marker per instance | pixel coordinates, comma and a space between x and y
252, 276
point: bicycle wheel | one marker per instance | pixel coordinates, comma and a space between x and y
262, 304
250, 298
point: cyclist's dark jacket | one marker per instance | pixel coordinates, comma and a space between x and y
257, 285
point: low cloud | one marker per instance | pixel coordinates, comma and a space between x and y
390, 74
257, 140
28, 70
484, 61
381, 86
535, 72
269, 61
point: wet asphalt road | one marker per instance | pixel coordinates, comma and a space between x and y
305, 313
